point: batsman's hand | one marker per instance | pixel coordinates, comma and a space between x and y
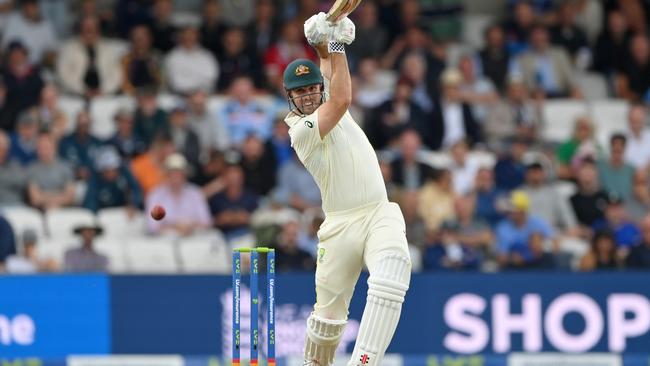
344, 31
318, 29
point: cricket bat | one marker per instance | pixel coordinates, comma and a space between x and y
341, 9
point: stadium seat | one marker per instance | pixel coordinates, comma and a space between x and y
434, 158
151, 254
559, 117
103, 110
168, 101
62, 221
593, 86
609, 116
71, 106
21, 218
54, 248
205, 253
474, 26
117, 223
113, 248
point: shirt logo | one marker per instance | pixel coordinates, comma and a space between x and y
321, 254
302, 70
309, 124
364, 359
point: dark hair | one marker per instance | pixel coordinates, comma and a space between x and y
618, 137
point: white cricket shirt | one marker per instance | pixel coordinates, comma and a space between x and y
343, 164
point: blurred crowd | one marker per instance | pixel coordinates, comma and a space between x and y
418, 91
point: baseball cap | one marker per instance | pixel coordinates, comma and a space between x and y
519, 201
176, 161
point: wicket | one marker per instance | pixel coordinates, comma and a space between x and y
236, 302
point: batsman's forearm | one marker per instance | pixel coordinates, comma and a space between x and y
340, 85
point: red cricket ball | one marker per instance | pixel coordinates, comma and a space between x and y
158, 212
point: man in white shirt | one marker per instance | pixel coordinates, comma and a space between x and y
31, 29
189, 66
361, 225
637, 151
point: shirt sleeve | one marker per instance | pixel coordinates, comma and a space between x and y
305, 136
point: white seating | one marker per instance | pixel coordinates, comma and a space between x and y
168, 101
21, 218
609, 116
559, 118
71, 106
55, 248
117, 223
443, 160
566, 189
103, 109
593, 86
151, 255
204, 253
62, 221
113, 248
474, 26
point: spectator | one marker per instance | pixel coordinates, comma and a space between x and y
127, 143
231, 209
296, 187
50, 115
408, 173
463, 168
453, 119
264, 29
236, 60
371, 37
547, 70
617, 221
495, 57
602, 254
633, 82
162, 29
637, 149
211, 178
590, 200
488, 197
86, 258
546, 202
448, 251
27, 260
388, 121
615, 174
290, 46
189, 66
30, 28
148, 168
612, 47
243, 115
185, 139
639, 257
515, 116
374, 85
473, 232
12, 176
510, 169
22, 85
237, 14
112, 184
580, 147
7, 241
520, 236
566, 33
187, 208
24, 139
50, 181
210, 129
476, 90
259, 165
639, 205
212, 27
437, 200
141, 65
518, 28
149, 119
88, 64
280, 142
80, 147
289, 256
413, 67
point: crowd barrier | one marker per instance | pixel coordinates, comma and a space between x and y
479, 319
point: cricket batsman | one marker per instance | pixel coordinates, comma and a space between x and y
361, 225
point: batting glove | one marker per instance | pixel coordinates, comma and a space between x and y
344, 31
317, 29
